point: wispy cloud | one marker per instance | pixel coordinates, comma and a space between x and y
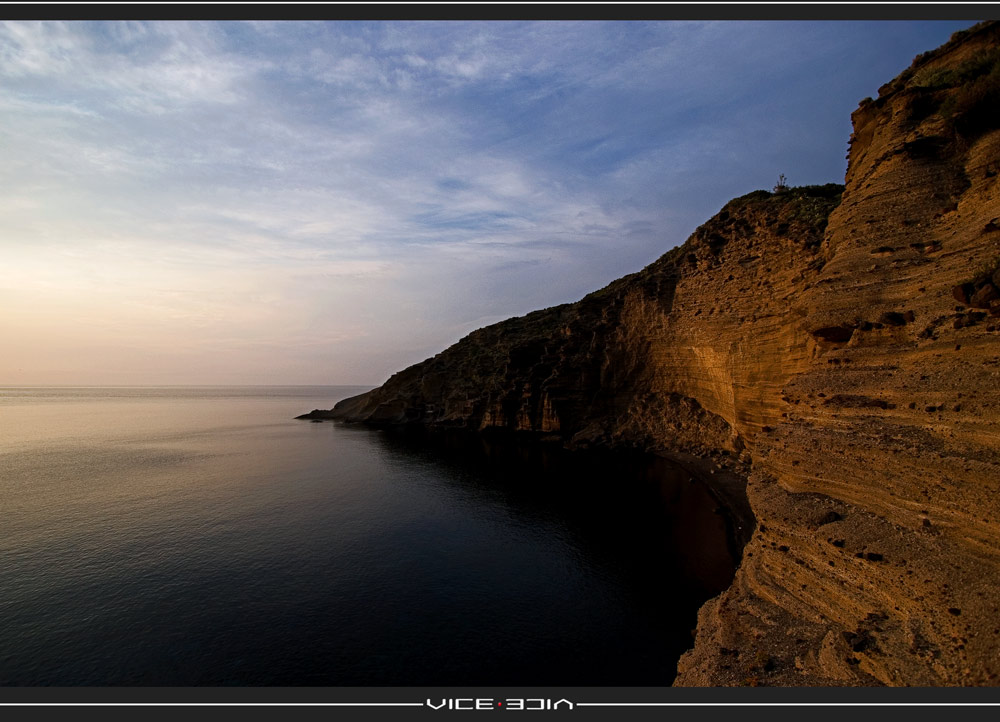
351, 197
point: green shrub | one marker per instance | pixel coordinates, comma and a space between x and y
966, 96
933, 79
980, 64
973, 106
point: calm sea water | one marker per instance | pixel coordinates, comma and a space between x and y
203, 536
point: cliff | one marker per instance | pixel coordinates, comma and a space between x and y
836, 347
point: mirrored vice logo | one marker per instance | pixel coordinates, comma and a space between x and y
490, 703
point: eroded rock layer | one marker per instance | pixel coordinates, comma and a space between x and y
837, 347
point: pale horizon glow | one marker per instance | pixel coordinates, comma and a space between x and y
305, 203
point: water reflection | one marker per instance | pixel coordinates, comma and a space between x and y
225, 543
649, 528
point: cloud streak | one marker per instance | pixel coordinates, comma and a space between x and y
327, 202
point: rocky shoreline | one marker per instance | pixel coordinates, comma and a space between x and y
838, 347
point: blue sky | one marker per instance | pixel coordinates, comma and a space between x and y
329, 202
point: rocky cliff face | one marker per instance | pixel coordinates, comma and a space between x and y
838, 348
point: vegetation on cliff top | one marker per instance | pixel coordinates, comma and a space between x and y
799, 212
964, 93
921, 61
967, 95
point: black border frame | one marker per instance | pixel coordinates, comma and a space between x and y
502, 10
386, 701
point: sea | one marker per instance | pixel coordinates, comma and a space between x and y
203, 536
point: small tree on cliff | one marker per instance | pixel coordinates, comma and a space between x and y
782, 186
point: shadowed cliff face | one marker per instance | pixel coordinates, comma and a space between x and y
676, 357
840, 351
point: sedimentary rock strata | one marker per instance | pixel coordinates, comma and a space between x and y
837, 347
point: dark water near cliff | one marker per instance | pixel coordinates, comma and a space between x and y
202, 536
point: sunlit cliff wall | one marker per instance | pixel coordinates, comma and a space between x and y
838, 347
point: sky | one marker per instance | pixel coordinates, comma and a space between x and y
329, 202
